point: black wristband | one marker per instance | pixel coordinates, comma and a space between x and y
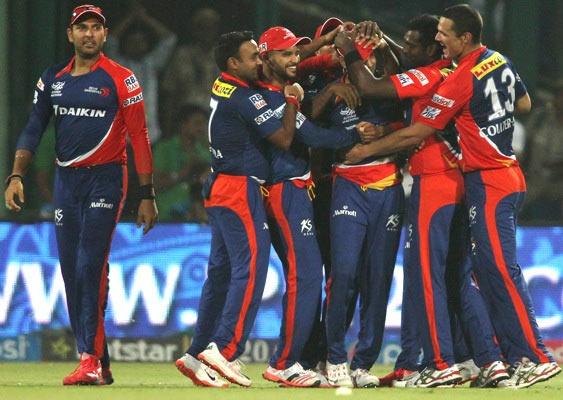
352, 57
10, 177
146, 192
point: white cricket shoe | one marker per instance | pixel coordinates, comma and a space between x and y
294, 376
468, 370
363, 379
431, 377
491, 375
528, 373
199, 373
338, 375
232, 371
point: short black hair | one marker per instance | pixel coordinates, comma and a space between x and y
466, 19
228, 46
427, 26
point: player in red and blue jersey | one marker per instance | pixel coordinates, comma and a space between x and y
481, 97
290, 210
436, 268
365, 225
95, 103
240, 124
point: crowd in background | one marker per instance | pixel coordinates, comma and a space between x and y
176, 80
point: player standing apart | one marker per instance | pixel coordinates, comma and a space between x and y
95, 102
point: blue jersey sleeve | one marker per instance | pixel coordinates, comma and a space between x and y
257, 113
40, 114
315, 136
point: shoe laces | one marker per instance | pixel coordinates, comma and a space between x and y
238, 366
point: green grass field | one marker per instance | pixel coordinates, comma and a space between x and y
42, 381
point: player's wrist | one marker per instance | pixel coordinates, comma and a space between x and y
146, 192
11, 177
290, 99
351, 57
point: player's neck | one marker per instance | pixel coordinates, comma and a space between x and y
467, 50
83, 65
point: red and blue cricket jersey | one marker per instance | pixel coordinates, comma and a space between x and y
438, 152
93, 113
480, 96
291, 221
372, 172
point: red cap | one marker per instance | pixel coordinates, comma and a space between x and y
279, 38
327, 26
80, 11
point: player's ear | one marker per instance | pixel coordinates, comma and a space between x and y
69, 34
232, 63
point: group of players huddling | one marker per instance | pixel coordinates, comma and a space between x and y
444, 101
344, 110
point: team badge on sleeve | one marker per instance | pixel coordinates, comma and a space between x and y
420, 76
131, 82
40, 85
443, 101
258, 101
430, 112
405, 80
133, 100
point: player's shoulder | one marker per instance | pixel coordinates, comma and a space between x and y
114, 68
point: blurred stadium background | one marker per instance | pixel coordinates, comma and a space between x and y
156, 280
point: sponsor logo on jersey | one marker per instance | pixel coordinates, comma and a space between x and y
497, 128
307, 227
215, 152
299, 118
79, 111
133, 100
58, 217
101, 204
35, 96
131, 82
420, 76
265, 227
57, 89
393, 222
104, 92
443, 101
404, 80
40, 85
488, 65
258, 101
430, 112
472, 214
345, 211
266, 115
223, 89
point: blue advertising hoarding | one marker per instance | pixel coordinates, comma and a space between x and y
155, 282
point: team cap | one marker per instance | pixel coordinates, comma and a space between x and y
327, 26
85, 9
279, 38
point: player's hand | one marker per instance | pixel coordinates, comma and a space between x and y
369, 132
14, 195
328, 38
294, 90
355, 154
147, 215
346, 92
368, 34
345, 41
